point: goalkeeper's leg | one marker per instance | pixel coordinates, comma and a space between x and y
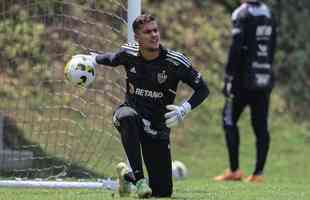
128, 123
157, 158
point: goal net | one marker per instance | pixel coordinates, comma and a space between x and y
50, 129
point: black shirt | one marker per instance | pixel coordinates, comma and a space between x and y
152, 84
253, 47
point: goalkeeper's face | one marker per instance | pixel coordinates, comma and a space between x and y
148, 36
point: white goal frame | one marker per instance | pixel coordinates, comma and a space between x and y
134, 10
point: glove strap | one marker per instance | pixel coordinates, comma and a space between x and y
186, 107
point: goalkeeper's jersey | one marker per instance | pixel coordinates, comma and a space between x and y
152, 84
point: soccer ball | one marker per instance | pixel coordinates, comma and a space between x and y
179, 170
80, 71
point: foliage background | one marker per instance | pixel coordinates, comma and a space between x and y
201, 28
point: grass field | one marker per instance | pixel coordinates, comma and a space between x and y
202, 148
195, 189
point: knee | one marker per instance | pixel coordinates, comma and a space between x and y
123, 112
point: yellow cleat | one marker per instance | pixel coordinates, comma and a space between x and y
124, 185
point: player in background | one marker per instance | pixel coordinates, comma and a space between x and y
249, 80
145, 118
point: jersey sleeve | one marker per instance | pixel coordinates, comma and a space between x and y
235, 51
121, 57
189, 75
273, 41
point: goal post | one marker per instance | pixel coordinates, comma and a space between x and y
134, 10
51, 131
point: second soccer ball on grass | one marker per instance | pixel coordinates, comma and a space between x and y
179, 170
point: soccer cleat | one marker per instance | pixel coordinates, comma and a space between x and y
230, 176
255, 179
143, 189
124, 185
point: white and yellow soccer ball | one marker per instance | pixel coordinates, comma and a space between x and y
80, 70
179, 170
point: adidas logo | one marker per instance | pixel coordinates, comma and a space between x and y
133, 70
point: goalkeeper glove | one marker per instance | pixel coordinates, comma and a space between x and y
91, 57
176, 114
227, 86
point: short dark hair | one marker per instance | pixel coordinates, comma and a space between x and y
142, 19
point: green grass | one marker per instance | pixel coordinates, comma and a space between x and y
200, 144
195, 189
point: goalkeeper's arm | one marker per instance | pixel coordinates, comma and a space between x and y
177, 113
108, 59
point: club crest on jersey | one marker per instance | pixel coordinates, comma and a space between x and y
162, 77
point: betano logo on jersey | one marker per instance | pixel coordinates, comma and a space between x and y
148, 93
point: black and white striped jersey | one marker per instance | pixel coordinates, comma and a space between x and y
253, 47
151, 85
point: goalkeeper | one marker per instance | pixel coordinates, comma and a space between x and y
144, 120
